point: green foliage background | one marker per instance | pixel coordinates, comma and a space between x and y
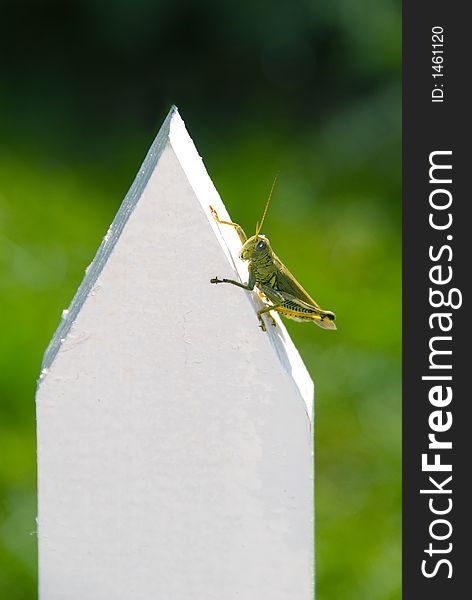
309, 89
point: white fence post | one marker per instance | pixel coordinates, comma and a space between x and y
175, 453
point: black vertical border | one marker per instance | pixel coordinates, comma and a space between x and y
428, 127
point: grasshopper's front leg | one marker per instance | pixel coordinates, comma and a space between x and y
239, 229
245, 286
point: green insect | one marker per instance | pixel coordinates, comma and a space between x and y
277, 286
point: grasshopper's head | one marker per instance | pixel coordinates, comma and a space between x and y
256, 248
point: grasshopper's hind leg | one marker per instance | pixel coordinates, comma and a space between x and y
239, 229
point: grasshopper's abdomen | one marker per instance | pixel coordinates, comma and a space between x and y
324, 319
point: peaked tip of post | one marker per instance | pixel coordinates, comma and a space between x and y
173, 112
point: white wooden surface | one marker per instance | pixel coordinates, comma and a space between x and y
174, 437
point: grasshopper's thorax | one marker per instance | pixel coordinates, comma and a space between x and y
258, 252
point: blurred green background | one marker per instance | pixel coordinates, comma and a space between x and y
306, 88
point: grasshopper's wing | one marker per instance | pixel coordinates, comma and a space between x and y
296, 298
286, 282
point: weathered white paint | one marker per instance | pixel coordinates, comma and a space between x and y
174, 437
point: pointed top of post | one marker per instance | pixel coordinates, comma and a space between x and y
173, 132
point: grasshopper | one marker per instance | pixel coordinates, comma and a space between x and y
277, 286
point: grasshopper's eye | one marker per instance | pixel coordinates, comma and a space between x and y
261, 245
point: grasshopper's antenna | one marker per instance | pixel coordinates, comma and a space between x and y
259, 226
